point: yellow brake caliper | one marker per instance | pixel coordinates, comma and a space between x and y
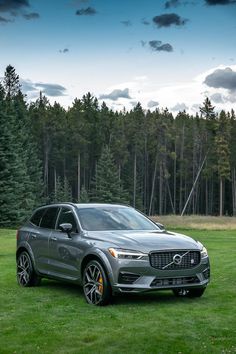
100, 287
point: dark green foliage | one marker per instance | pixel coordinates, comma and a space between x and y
154, 156
84, 197
107, 186
20, 170
11, 82
222, 142
62, 192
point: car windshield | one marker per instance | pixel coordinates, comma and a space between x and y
113, 218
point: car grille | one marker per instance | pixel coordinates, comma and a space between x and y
127, 278
174, 281
165, 260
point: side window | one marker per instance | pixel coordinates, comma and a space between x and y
67, 216
37, 216
49, 218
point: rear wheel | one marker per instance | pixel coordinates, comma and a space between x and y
96, 286
26, 275
195, 292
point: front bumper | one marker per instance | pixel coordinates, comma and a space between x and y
135, 276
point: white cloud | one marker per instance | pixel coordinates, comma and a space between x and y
142, 88
179, 107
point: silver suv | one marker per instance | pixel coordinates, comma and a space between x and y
108, 249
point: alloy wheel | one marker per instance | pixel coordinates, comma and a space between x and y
24, 269
93, 284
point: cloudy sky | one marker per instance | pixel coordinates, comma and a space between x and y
160, 53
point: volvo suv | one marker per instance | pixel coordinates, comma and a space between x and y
108, 249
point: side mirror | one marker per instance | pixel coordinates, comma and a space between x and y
66, 227
161, 227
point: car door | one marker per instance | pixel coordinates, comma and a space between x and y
39, 237
65, 251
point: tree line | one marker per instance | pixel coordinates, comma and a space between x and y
89, 152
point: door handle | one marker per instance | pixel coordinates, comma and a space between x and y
33, 236
54, 238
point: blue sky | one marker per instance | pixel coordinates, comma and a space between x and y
161, 53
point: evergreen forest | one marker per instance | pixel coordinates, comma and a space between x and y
88, 153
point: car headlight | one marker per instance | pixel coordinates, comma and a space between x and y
120, 253
204, 252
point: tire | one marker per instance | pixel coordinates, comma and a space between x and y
26, 275
96, 286
194, 292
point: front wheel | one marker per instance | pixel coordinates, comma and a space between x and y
194, 292
96, 286
26, 275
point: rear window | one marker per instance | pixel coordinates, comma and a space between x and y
37, 216
49, 218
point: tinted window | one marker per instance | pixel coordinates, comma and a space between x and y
67, 216
114, 218
49, 218
37, 216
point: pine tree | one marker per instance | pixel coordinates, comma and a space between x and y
11, 82
14, 195
41, 132
20, 169
207, 110
62, 192
107, 185
84, 197
29, 150
232, 146
222, 142
209, 116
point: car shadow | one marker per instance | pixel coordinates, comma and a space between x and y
141, 299
144, 298
62, 286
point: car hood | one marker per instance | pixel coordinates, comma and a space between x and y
144, 241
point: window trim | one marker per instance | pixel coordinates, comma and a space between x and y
46, 209
78, 231
39, 209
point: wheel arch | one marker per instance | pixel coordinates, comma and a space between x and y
101, 258
20, 250
24, 248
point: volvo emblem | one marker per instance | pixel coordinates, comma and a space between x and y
177, 259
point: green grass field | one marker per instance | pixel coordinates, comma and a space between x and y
54, 318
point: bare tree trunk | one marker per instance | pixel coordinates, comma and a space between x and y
194, 184
171, 201
193, 177
153, 185
55, 182
145, 175
181, 171
160, 189
78, 177
119, 171
211, 196
135, 179
234, 191
64, 166
221, 196
46, 169
84, 173
206, 198
174, 204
